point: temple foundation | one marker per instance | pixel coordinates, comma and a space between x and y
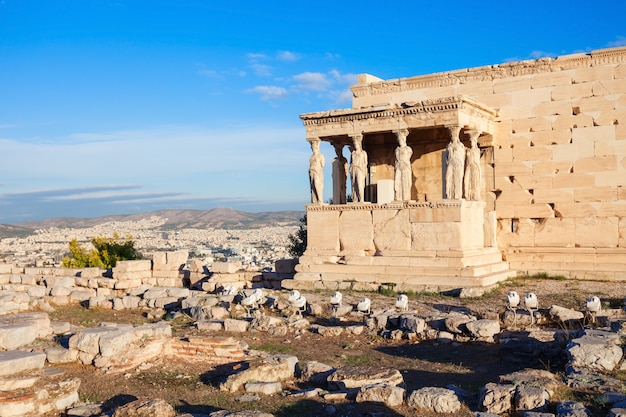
432, 246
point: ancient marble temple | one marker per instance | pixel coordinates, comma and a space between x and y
457, 179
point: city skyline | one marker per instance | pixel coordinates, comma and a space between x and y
114, 107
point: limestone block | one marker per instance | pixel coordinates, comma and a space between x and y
127, 284
514, 196
592, 105
504, 85
92, 272
273, 368
596, 194
356, 231
596, 350
169, 282
438, 400
580, 209
87, 341
225, 267
572, 91
390, 395
435, 236
503, 154
597, 232
522, 101
14, 361
573, 180
595, 73
550, 108
132, 266
36, 291
546, 195
14, 335
532, 124
551, 137
555, 232
5, 268
612, 209
167, 274
131, 275
170, 261
115, 342
233, 325
323, 230
145, 408
285, 266
551, 79
490, 229
594, 134
514, 168
565, 122
391, 231
349, 377
265, 388
615, 178
58, 354
533, 211
82, 295
167, 302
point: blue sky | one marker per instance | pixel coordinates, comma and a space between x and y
117, 107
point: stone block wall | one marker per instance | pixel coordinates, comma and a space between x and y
559, 155
160, 283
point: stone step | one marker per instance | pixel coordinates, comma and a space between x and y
362, 273
14, 361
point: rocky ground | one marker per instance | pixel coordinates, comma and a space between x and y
194, 388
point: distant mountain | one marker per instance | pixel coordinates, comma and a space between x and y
219, 218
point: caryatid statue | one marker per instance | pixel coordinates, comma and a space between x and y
455, 165
358, 169
403, 178
473, 173
316, 173
340, 175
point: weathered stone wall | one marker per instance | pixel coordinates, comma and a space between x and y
559, 155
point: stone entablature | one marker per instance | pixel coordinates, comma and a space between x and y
456, 110
366, 87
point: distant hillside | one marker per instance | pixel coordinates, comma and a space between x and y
219, 218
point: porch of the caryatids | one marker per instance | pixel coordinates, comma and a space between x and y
455, 164
358, 168
403, 174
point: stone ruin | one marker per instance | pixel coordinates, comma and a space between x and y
461, 178
31, 385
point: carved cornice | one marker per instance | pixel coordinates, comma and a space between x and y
442, 105
492, 72
396, 205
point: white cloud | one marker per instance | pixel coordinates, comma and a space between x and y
262, 70
343, 97
541, 54
253, 57
209, 73
270, 92
288, 56
349, 79
313, 81
620, 41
